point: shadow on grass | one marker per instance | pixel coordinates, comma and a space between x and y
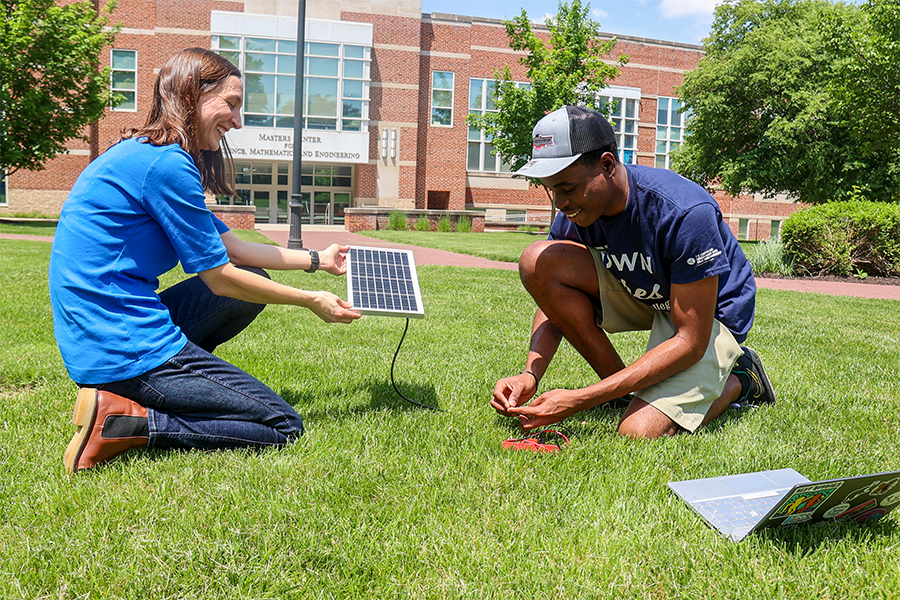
381, 395
606, 417
588, 423
803, 540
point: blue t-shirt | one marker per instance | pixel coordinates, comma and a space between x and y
671, 231
132, 215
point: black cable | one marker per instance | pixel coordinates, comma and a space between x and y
393, 362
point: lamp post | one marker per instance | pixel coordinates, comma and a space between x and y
296, 204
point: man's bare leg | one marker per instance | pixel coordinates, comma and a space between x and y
641, 420
562, 279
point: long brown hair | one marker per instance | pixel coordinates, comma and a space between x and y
173, 113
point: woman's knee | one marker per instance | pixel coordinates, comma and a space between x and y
292, 427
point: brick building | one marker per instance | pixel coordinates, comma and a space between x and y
387, 91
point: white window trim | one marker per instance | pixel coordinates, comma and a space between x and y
135, 52
668, 140
452, 99
339, 119
622, 93
482, 141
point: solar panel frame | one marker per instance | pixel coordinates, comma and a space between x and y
383, 282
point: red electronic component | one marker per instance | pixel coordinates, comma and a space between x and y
538, 441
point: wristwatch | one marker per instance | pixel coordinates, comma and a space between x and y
314, 261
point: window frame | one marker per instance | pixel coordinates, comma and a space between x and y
434, 107
669, 142
743, 232
625, 119
351, 109
119, 90
478, 136
775, 229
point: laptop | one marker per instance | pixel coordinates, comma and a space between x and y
738, 505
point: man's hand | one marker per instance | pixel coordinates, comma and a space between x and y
513, 391
548, 408
332, 309
334, 259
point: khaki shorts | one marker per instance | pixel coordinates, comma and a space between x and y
685, 397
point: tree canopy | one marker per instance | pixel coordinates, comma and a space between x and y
568, 70
50, 86
765, 112
865, 87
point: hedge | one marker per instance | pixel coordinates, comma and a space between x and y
845, 238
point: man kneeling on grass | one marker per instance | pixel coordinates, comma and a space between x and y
633, 248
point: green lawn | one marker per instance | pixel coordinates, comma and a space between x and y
383, 500
28, 227
505, 246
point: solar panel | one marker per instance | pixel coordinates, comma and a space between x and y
383, 282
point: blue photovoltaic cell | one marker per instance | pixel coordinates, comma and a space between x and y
382, 281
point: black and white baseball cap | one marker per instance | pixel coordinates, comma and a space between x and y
562, 136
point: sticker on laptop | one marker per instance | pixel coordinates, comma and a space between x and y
891, 500
876, 488
806, 499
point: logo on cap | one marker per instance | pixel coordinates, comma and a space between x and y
542, 141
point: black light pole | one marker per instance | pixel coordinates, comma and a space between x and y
294, 240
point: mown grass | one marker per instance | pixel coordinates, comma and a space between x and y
383, 500
506, 246
43, 228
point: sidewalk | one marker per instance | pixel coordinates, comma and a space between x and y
322, 238
426, 256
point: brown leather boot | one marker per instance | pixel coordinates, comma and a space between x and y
90, 447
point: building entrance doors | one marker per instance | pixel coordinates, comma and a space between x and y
325, 191
327, 207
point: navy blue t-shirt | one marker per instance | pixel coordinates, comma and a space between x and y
671, 231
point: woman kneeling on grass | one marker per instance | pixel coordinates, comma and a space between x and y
143, 359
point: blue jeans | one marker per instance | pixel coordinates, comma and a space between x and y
197, 400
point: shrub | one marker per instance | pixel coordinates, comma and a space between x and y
769, 257
845, 238
397, 221
464, 225
421, 223
444, 224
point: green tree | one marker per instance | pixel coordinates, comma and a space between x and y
866, 86
50, 86
762, 116
568, 70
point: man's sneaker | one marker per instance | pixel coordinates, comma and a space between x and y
756, 387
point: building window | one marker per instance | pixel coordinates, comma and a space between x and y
670, 130
3, 201
123, 78
326, 175
442, 98
743, 229
335, 82
623, 114
482, 95
775, 230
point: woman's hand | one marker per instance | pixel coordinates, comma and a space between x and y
334, 259
332, 309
